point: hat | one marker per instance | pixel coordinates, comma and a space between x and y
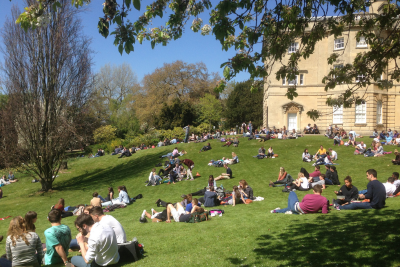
143, 220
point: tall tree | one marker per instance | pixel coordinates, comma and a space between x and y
177, 80
262, 31
210, 109
47, 75
243, 106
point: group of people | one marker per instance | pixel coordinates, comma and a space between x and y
322, 157
5, 181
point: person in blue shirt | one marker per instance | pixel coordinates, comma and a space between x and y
122, 198
189, 206
388, 139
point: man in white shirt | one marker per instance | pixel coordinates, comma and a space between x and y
122, 198
99, 217
333, 154
102, 247
361, 147
390, 187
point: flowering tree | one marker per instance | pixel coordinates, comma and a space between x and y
242, 24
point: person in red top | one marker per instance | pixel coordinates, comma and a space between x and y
60, 206
316, 172
190, 165
311, 203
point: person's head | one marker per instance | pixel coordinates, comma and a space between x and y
189, 198
195, 201
317, 189
153, 170
87, 209
61, 202
348, 181
300, 175
236, 190
395, 175
321, 146
327, 153
387, 134
121, 187
317, 167
372, 174
10, 172
95, 194
110, 190
390, 180
270, 147
30, 219
212, 188
17, 229
330, 150
96, 213
54, 216
83, 223
306, 150
243, 183
211, 178
327, 167
322, 176
233, 154
176, 148
225, 166
281, 170
333, 168
262, 148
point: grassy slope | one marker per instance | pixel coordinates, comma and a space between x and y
246, 234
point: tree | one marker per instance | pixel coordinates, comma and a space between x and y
243, 106
177, 80
261, 33
47, 75
210, 109
104, 133
178, 114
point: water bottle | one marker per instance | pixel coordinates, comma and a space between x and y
222, 187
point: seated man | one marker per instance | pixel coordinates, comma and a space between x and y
189, 207
376, 194
227, 175
333, 154
58, 238
210, 198
102, 246
173, 175
311, 203
123, 198
321, 151
261, 153
361, 147
388, 139
166, 170
390, 188
108, 220
125, 153
321, 181
154, 179
382, 135
349, 191
117, 150
316, 173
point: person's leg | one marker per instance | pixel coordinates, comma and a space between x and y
201, 200
78, 261
356, 205
200, 192
101, 198
328, 181
74, 245
292, 199
5, 262
105, 204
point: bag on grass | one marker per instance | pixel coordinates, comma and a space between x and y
248, 201
341, 142
197, 217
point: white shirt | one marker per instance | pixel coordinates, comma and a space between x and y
333, 155
279, 135
102, 245
396, 183
119, 231
304, 182
390, 188
361, 146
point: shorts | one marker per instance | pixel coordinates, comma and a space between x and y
177, 213
184, 218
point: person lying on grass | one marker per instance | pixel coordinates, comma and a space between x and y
205, 148
179, 214
227, 175
233, 160
311, 203
348, 191
375, 196
321, 181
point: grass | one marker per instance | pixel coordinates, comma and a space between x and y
246, 235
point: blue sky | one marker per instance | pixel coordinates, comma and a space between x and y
191, 48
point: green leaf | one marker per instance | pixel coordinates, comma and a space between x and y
128, 3
118, 20
226, 72
153, 44
136, 4
120, 49
130, 47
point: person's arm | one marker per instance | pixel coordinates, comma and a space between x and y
60, 251
368, 195
233, 200
88, 252
8, 249
325, 207
39, 250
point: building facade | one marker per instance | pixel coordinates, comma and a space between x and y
377, 112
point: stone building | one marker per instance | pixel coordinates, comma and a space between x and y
378, 111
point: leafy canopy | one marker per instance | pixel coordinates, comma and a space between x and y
261, 33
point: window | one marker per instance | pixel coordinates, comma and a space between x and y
293, 47
337, 115
361, 113
362, 42
360, 78
283, 81
339, 43
293, 82
379, 112
301, 79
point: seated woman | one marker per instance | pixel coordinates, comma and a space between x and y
110, 194
396, 160
234, 199
379, 150
333, 176
60, 206
292, 135
270, 152
306, 156
22, 247
3, 180
11, 177
301, 183
154, 179
352, 140
315, 129
348, 191
337, 139
281, 178
324, 161
246, 191
205, 148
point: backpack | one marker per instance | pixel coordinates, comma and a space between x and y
197, 217
220, 192
130, 251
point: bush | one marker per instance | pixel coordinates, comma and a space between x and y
104, 134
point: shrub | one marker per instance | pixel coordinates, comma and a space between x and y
104, 134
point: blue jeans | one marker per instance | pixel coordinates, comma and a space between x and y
328, 181
101, 198
78, 261
356, 206
74, 244
292, 200
186, 138
168, 155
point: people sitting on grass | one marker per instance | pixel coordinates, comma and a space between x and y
108, 220
314, 181
95, 201
388, 139
337, 139
58, 239
100, 153
210, 198
235, 198
347, 193
270, 152
227, 175
282, 178
396, 160
23, 248
154, 179
261, 153
233, 160
205, 148
301, 183
30, 220
11, 177
334, 177
122, 199
165, 172
60, 206
306, 156
321, 153
316, 172
311, 203
110, 194
333, 154
361, 148
375, 197
390, 187
323, 160
246, 191
117, 150
382, 135
125, 153
102, 246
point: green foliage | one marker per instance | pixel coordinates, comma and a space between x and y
210, 110
104, 134
178, 114
244, 106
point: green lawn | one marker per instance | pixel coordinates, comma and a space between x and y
246, 235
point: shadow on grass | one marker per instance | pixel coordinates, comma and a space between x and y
366, 238
111, 176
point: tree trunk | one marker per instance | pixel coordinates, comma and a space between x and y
47, 184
